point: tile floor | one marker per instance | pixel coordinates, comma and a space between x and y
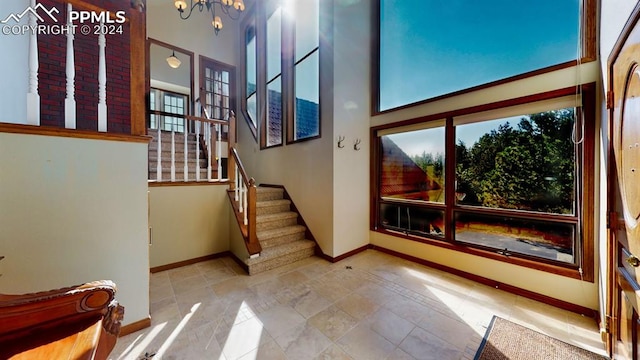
369, 306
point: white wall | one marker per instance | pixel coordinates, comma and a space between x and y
188, 222
351, 104
14, 73
73, 211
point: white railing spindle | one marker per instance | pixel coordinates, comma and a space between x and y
198, 124
237, 183
102, 82
33, 98
70, 100
244, 199
159, 162
209, 135
173, 151
219, 151
186, 152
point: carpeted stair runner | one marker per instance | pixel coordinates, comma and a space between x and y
282, 239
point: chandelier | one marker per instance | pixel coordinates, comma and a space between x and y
210, 5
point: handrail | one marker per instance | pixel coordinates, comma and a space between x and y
246, 195
189, 117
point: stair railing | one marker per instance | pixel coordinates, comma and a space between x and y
244, 189
208, 144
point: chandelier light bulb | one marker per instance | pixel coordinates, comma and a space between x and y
180, 5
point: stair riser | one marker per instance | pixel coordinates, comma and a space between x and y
269, 195
269, 225
281, 261
272, 209
280, 240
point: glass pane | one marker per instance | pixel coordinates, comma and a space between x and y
225, 76
225, 89
524, 163
274, 120
543, 239
307, 14
274, 29
462, 44
207, 72
412, 219
252, 109
413, 165
307, 89
250, 61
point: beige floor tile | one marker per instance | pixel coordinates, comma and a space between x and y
389, 325
333, 322
357, 306
362, 343
381, 307
303, 342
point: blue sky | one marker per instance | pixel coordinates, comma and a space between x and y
433, 47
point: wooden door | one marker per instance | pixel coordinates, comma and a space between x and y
623, 102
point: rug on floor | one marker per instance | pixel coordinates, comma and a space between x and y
507, 340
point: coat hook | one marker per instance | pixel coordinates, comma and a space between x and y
356, 143
340, 140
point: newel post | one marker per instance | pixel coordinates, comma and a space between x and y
254, 246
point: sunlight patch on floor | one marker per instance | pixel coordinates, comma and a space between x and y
139, 348
174, 334
245, 334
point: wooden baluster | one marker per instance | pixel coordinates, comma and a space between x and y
102, 82
33, 98
254, 245
70, 101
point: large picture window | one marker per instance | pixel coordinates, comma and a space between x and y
431, 48
508, 182
282, 60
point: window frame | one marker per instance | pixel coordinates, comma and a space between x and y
270, 9
587, 39
248, 22
257, 18
159, 100
215, 65
584, 251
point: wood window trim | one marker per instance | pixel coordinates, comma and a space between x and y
248, 22
151, 41
588, 41
285, 40
585, 253
204, 61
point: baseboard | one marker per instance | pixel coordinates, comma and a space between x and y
496, 284
319, 253
188, 262
135, 326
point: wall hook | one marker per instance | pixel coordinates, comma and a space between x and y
340, 140
356, 144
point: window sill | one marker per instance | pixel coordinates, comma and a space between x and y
569, 271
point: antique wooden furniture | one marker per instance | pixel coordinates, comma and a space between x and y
79, 322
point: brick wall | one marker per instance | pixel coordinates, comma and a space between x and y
52, 73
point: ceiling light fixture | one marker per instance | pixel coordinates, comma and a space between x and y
173, 61
210, 5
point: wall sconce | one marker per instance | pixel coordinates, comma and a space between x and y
173, 61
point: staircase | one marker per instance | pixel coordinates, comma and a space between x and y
282, 238
179, 157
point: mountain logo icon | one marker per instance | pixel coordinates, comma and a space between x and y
33, 10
